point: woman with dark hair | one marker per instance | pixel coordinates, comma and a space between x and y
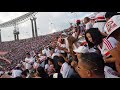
50, 67
40, 73
105, 45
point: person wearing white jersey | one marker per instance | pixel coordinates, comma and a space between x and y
112, 28
64, 67
53, 53
61, 47
92, 20
88, 23
100, 22
16, 72
47, 51
29, 61
105, 45
108, 15
110, 73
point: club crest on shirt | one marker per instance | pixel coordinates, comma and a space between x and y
110, 26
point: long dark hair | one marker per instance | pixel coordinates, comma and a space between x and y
41, 72
97, 37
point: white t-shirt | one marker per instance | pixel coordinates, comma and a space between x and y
28, 63
30, 60
32, 53
35, 65
42, 60
107, 45
63, 46
64, 69
16, 73
46, 66
100, 26
88, 25
109, 72
57, 50
1, 72
82, 29
47, 51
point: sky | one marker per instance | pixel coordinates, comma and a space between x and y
47, 22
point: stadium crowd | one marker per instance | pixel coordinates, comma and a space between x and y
88, 49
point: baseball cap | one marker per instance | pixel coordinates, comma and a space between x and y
81, 49
112, 24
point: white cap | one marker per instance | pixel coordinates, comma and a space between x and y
81, 49
112, 24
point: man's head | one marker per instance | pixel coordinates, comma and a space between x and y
108, 15
74, 30
91, 65
86, 20
60, 61
54, 44
92, 19
24, 73
28, 55
52, 51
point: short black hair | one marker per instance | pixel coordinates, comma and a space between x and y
41, 72
18, 68
25, 72
27, 53
51, 60
110, 14
9, 73
97, 37
94, 61
87, 18
61, 59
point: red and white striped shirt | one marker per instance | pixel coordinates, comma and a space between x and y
107, 45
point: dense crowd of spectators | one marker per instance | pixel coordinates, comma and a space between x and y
88, 49
17, 49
